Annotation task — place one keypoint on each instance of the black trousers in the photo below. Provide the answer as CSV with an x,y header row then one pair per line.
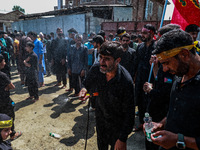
x,y
33,90
76,82
106,134
48,69
61,77
70,81
93,101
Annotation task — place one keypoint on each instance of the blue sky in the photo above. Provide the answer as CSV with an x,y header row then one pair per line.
x,y
38,6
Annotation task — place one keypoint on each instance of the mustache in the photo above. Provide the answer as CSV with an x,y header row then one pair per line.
x,y
103,65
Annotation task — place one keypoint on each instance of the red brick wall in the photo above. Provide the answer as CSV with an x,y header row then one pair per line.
x,y
131,27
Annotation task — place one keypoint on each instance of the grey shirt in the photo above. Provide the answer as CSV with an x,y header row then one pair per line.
x,y
78,59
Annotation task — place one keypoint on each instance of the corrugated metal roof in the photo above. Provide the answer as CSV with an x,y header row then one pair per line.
x,y
67,11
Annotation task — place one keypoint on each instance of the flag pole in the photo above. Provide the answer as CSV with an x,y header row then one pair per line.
x,y
163,15
161,24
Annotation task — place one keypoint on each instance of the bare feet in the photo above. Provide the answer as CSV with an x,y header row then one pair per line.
x,y
57,84
69,89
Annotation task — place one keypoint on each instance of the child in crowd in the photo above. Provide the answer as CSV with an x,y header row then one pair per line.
x,y
5,130
31,64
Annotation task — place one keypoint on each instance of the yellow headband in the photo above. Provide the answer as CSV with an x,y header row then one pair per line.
x,y
172,52
195,45
6,124
122,33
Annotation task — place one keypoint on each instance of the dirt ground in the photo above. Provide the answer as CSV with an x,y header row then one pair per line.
x,y
52,114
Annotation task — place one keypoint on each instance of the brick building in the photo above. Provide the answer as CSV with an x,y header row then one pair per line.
x,y
149,10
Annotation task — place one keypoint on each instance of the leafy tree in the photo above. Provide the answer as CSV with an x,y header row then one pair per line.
x,y
18,8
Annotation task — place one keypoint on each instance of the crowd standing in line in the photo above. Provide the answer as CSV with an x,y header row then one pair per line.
x,y
117,68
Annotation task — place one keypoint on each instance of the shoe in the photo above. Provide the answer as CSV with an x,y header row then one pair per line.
x,y
17,135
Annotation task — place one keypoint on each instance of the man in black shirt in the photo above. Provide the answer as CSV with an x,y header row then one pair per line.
x,y
176,52
142,68
128,56
58,51
115,102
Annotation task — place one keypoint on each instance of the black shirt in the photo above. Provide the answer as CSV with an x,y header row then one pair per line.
x,y
160,95
127,60
184,110
141,64
5,145
115,103
31,72
4,81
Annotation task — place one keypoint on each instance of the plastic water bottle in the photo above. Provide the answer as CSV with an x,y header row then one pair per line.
x,y
13,103
55,135
148,126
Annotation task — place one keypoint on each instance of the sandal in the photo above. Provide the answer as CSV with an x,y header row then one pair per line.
x,y
17,135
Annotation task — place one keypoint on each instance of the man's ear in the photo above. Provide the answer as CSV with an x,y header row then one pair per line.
x,y
118,60
184,54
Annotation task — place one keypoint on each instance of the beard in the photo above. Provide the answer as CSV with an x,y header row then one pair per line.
x,y
106,68
146,39
125,46
182,68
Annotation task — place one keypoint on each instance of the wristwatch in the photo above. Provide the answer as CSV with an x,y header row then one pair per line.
x,y
180,144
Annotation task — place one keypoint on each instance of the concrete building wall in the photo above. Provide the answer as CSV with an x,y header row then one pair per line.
x,y
47,25
122,13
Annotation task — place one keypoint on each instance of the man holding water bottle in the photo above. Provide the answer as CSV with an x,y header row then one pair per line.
x,y
181,128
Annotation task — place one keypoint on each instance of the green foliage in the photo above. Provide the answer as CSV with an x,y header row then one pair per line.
x,y
18,8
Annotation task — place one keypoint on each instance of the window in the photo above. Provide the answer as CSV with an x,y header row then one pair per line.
x,y
128,2
120,1
159,12
150,10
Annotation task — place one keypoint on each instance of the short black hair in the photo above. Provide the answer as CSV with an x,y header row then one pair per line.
x,y
102,33
111,48
98,39
168,28
139,36
192,28
133,36
126,35
173,39
150,27
30,44
1,58
34,34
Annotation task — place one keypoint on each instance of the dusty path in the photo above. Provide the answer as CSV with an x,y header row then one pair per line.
x,y
52,114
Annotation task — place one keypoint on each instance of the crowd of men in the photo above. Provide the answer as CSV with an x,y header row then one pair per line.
x,y
118,69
